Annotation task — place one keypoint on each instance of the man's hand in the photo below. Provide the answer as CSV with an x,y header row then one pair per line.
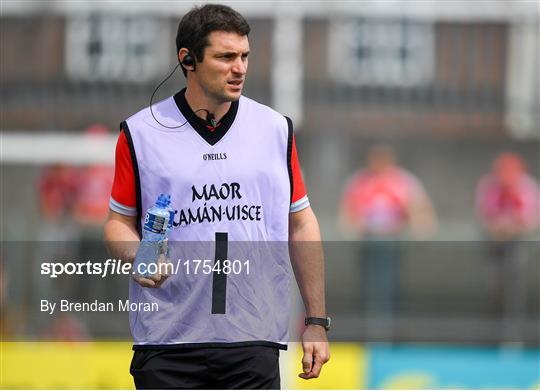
x,y
156,280
316,351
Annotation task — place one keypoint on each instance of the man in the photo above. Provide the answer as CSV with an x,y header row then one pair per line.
x,y
507,199
380,205
231,168
385,201
507,206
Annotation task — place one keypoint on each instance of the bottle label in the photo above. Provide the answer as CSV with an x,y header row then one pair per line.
x,y
171,219
155,224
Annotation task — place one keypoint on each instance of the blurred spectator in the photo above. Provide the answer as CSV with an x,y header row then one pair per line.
x,y
57,185
384,201
81,193
507,206
91,203
74,202
90,209
507,199
381,205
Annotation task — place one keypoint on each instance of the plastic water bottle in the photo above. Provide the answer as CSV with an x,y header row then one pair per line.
x,y
165,244
171,216
154,234
170,227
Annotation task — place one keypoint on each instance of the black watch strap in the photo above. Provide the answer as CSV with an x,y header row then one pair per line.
x,y
324,322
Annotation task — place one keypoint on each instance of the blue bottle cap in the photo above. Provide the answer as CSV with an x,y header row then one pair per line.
x,y
163,200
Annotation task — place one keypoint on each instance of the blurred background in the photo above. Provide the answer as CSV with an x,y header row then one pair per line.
x,y
417,125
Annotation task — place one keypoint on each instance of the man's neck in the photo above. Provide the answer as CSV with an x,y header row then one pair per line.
x,y
198,100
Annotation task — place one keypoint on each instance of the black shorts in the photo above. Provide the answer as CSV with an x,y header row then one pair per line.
x,y
250,367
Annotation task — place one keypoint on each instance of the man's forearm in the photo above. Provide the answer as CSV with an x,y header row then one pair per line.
x,y
307,259
121,239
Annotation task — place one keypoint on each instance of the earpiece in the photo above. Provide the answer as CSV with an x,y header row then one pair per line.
x,y
188,61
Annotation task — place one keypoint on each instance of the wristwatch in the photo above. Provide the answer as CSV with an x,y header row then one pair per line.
x,y
324,322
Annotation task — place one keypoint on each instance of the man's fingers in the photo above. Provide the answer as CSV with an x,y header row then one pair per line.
x,y
158,279
155,277
162,259
165,266
316,355
152,281
145,282
161,281
166,269
307,360
316,370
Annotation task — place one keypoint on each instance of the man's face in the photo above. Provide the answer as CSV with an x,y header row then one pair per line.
x,y
222,72
381,159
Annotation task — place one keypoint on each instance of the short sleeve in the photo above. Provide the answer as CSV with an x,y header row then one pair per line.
x,y
299,198
123,196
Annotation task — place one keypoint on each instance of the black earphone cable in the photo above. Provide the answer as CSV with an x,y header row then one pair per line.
x,y
209,115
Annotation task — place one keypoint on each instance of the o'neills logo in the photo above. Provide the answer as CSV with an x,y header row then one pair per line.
x,y
214,156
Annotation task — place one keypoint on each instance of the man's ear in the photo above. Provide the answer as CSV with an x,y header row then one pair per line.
x,y
186,59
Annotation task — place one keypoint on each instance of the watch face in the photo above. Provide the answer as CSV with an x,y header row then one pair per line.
x,y
324,322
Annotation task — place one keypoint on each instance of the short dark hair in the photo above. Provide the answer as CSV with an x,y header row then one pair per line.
x,y
199,22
